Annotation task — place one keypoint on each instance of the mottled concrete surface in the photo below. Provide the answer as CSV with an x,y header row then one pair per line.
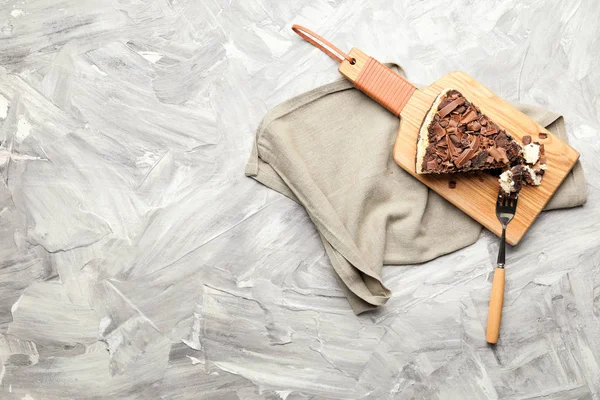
x,y
137,261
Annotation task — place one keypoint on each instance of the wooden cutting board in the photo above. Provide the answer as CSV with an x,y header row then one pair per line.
x,y
475,193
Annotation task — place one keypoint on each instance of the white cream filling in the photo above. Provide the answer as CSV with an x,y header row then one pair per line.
x,y
537,179
508,185
506,182
531,153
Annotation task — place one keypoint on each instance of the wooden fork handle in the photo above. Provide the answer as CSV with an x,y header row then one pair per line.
x,y
495,308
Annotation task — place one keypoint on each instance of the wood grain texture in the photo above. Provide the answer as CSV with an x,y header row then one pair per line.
x,y
351,71
495,307
475,193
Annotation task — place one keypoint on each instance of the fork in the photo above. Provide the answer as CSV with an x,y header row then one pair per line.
x,y
506,206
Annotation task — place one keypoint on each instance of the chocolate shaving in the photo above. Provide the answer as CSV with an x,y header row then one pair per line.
x,y
448,109
445,102
517,176
464,157
503,156
526,139
474,126
451,146
493,151
455,139
471,116
451,183
487,142
501,139
542,135
491,129
475,143
439,131
464,141
513,150
443,154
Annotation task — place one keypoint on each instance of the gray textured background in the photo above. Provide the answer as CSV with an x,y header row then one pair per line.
x,y
136,260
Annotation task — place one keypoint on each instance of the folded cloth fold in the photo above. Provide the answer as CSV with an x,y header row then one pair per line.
x,y
330,149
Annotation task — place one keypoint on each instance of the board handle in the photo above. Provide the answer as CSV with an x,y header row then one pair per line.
x,y
366,73
377,81
495,308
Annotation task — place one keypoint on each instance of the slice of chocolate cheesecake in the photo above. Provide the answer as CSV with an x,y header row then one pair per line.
x,y
457,137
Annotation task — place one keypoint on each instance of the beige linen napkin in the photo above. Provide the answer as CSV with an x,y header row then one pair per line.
x,y
330,149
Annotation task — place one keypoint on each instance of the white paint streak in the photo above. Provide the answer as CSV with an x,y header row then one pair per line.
x,y
5,155
4,104
98,70
15,305
23,129
194,343
151,56
283,394
194,360
104,323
